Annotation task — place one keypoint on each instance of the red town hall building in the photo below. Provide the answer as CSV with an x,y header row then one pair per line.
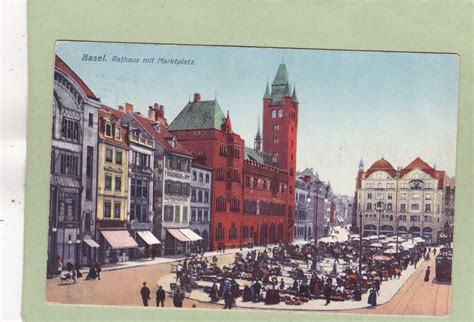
x,y
252,188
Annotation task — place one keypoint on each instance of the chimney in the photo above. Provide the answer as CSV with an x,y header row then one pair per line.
x,y
121,108
128,108
151,113
197,97
161,111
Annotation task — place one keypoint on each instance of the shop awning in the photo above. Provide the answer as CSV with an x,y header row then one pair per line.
x,y
119,239
176,233
191,235
148,237
64,181
90,242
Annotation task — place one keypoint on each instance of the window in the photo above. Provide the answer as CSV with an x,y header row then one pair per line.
x,y
139,188
206,215
403,196
403,207
245,232
415,196
69,164
275,157
274,114
428,196
276,127
233,232
118,183
107,209
193,194
206,196
369,195
118,132
389,206
201,177
185,214
108,155
247,181
280,113
89,161
219,232
70,129
389,196
254,182
199,195
177,214
199,214
91,119
116,209
207,177
428,207
276,141
194,175
379,195
221,203
415,206
108,182
118,157
369,206
108,129
168,213
193,214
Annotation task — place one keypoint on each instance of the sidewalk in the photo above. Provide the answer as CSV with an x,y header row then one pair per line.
x,y
169,259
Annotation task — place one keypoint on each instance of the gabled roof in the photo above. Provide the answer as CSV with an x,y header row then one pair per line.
x,y
280,85
199,115
61,65
110,113
161,136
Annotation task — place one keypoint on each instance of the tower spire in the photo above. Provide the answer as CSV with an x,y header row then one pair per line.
x,y
267,92
258,138
293,96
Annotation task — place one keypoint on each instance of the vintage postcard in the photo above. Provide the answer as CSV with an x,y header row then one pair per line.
x,y
241,178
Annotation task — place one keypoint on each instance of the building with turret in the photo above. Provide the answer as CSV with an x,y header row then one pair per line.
x,y
415,200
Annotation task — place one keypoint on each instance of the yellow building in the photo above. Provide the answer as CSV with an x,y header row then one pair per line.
x,y
112,188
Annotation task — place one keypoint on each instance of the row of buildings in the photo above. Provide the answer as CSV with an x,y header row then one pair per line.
x,y
126,185
415,200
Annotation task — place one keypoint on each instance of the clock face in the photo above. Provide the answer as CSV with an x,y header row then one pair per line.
x,y
416,184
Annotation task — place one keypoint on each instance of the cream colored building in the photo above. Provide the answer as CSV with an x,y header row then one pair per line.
x,y
412,200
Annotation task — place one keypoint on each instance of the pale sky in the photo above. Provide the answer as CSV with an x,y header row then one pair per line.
x,y
352,104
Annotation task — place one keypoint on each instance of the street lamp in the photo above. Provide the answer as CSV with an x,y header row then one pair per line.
x,y
360,248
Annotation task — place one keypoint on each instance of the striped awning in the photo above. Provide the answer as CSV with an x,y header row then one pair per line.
x,y
148,237
64,181
119,239
176,233
191,235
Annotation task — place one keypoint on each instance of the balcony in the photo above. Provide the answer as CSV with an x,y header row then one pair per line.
x,y
142,141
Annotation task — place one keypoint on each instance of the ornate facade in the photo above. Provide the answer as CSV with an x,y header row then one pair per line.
x,y
414,200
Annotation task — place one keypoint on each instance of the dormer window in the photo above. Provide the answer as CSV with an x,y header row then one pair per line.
x,y
108,129
172,142
158,127
118,132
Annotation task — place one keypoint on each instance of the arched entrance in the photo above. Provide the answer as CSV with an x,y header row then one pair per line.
x,y
428,234
415,231
386,230
280,232
370,230
272,233
263,233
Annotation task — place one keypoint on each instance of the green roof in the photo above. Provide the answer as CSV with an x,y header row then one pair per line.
x,y
198,116
252,154
280,85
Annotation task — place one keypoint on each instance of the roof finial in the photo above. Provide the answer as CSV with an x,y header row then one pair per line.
x,y
215,96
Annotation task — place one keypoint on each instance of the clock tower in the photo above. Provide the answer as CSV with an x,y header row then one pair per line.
x,y
280,128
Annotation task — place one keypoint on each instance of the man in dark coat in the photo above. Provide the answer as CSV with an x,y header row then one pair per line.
x,y
228,299
145,293
98,269
256,291
427,274
328,293
160,297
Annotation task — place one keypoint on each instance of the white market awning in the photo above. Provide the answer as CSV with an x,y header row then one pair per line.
x,y
148,237
119,239
90,242
191,235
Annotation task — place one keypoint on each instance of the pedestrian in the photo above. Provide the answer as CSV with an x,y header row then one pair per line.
x,y
214,295
328,293
228,299
160,297
282,284
427,274
145,293
373,297
153,253
178,298
98,269
78,273
256,291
